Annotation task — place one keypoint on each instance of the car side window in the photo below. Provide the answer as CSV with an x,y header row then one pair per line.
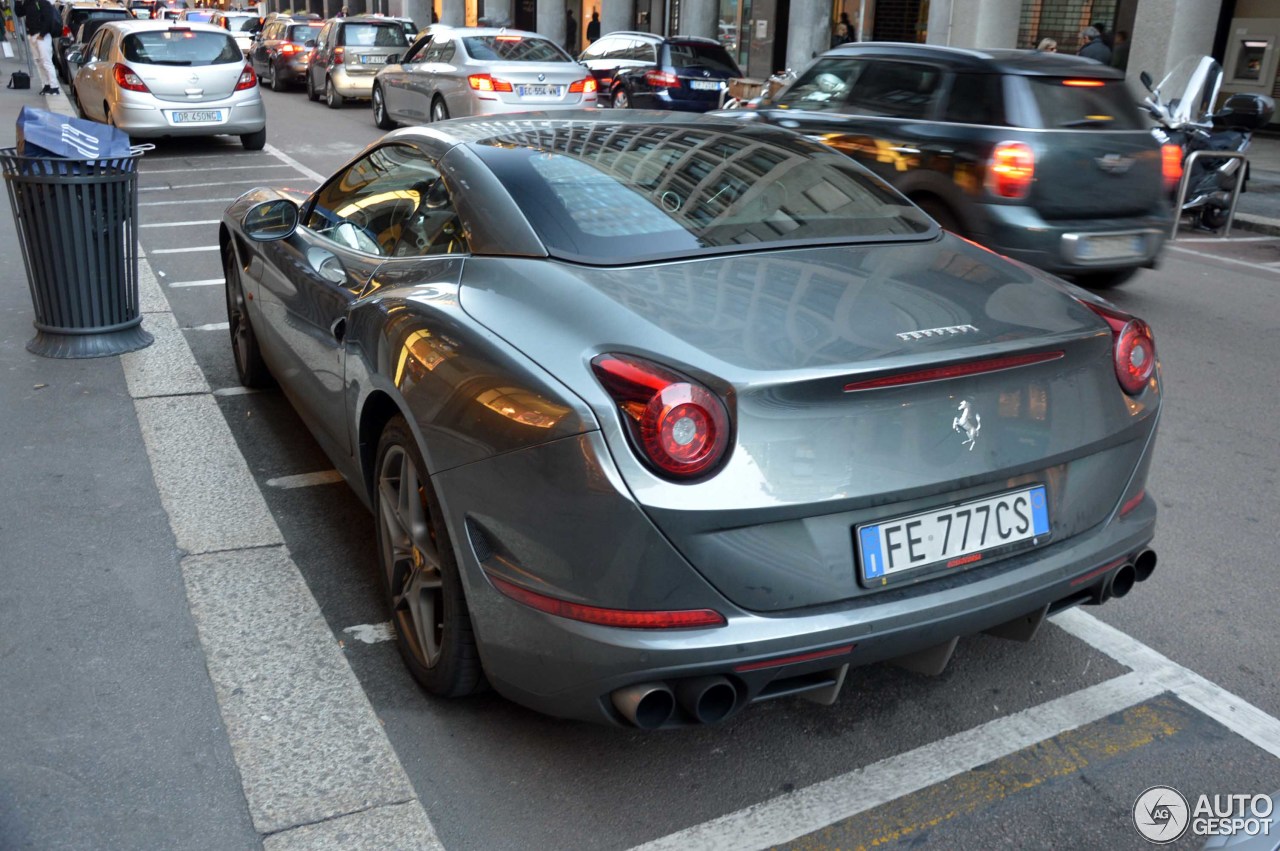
x,y
895,90
976,99
417,53
599,48
447,51
390,202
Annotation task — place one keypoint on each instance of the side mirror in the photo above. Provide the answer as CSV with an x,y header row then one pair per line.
x,y
75,56
311,42
271,220
1145,78
393,59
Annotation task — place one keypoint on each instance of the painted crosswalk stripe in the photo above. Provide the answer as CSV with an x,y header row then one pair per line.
x,y
306,480
207,282
187,250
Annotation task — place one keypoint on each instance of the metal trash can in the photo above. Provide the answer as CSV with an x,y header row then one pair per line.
x,y
77,225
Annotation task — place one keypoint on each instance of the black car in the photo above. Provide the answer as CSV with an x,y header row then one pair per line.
x,y
73,15
280,52
1041,156
646,71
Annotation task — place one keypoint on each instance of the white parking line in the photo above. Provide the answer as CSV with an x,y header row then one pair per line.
x,y
306,480
290,161
187,201
236,391
207,282
1259,266
175,187
148,172
1220,240
372,633
188,250
212,326
180,224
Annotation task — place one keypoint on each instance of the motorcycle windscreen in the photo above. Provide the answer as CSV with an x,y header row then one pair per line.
x,y
1191,88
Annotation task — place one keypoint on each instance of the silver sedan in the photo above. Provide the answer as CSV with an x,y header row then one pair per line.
x,y
463,71
166,78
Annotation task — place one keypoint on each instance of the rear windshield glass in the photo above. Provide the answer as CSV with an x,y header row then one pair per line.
x,y
181,47
825,85
199,17
242,25
301,34
373,35
79,16
706,57
621,194
1065,103
513,48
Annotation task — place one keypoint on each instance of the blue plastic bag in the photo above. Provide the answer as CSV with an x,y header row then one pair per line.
x,y
48,134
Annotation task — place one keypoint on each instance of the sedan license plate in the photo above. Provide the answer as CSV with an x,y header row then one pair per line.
x,y
538,91
196,116
373,59
705,85
1112,247
955,536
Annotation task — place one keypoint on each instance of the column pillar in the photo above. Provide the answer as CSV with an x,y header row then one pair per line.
x,y
808,32
551,20
419,11
617,15
699,17
974,23
1167,31
499,12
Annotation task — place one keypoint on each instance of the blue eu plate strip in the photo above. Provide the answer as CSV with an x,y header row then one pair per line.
x,y
1039,512
872,560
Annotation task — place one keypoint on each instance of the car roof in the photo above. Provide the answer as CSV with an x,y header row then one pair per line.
x,y
468,32
658,39
149,25
1009,61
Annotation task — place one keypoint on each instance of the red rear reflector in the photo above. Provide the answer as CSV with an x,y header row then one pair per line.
x,y
1171,165
485,83
969,559
1012,170
621,618
958,370
1094,574
1090,84
1133,503
794,660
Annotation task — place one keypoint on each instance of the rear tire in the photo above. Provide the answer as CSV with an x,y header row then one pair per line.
x,y
312,95
1213,217
380,117
277,85
254,141
332,99
1105,280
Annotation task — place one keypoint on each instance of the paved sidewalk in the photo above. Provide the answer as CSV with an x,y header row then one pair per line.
x,y
110,735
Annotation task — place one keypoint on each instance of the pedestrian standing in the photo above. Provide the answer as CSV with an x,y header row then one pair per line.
x,y
43,23
572,36
839,35
593,27
1091,46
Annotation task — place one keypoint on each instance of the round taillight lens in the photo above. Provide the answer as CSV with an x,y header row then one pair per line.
x,y
680,428
1135,354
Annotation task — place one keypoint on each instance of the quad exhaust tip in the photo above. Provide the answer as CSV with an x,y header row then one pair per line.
x,y
707,699
1120,582
1144,564
647,705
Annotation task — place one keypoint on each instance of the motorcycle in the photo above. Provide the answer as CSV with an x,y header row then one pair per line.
x,y
1188,120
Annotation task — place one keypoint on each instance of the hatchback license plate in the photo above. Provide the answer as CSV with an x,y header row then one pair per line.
x,y
197,116
705,85
373,59
1112,247
953,536
538,91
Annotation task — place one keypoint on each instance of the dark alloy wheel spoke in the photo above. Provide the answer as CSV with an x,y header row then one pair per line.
x,y
412,568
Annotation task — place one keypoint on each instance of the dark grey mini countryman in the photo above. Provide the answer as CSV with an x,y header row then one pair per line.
x,y
1042,157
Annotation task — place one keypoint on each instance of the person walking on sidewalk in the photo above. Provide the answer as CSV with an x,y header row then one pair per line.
x,y
43,25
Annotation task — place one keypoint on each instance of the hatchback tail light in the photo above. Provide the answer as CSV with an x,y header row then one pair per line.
x,y
339,55
247,80
1012,170
1133,348
586,86
679,428
126,79
288,48
1171,165
66,32
662,79
486,83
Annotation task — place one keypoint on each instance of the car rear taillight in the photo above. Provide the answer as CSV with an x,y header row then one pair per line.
x,y
679,427
1012,170
1083,84
288,49
586,86
486,83
128,80
66,32
339,55
662,79
1171,165
247,80
1133,348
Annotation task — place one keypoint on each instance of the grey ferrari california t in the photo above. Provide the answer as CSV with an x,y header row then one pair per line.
x,y
659,416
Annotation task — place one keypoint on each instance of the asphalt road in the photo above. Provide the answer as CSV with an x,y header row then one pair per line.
x,y
1046,744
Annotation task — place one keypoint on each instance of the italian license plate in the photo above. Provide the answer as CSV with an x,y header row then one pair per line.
x,y
373,59
538,91
1112,247
955,536
705,85
197,116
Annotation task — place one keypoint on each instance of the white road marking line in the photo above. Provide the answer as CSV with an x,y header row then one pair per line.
x,y
206,168
236,391
1260,267
207,282
1229,710
288,160
372,633
175,187
306,480
188,250
789,817
189,201
180,224
212,326
1220,240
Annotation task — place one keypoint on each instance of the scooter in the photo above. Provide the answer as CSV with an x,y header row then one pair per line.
x,y
1188,120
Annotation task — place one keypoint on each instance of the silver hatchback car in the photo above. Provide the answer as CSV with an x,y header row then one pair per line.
x,y
163,78
464,71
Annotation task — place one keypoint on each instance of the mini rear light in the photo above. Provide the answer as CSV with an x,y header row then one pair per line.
x,y
1012,170
486,83
662,79
126,79
621,618
248,79
678,427
1133,348
1171,165
508,38
1084,84
957,370
586,86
